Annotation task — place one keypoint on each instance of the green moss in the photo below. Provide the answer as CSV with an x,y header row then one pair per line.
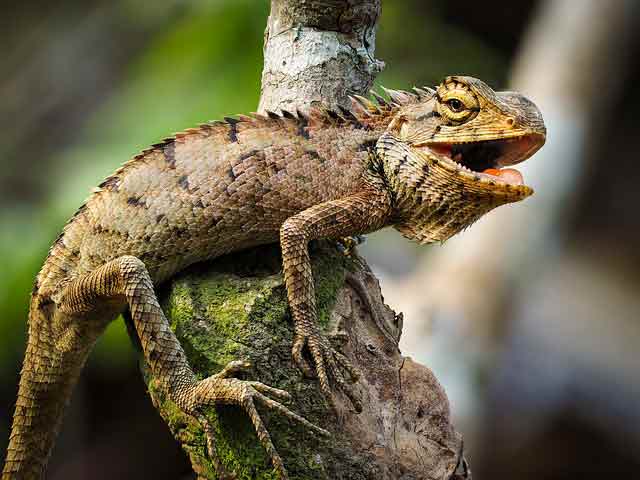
x,y
328,275
236,308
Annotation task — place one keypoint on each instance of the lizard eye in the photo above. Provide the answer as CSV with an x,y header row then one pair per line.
x,y
455,105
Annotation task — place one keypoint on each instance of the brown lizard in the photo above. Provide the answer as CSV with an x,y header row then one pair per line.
x,y
427,162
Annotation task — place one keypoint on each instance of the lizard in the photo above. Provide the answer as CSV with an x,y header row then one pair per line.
x,y
427,162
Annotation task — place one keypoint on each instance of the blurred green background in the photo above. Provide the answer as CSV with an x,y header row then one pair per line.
x,y
86,85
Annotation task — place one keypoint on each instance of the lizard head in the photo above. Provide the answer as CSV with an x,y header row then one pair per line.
x,y
446,155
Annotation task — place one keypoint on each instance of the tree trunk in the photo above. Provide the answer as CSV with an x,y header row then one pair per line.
x,y
236,307
318,51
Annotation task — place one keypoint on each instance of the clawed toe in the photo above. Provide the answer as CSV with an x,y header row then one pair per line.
x,y
266,389
232,369
329,363
298,357
221,472
220,388
273,405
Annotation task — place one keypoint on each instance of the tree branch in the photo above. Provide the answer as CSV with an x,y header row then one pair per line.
x,y
236,308
318,51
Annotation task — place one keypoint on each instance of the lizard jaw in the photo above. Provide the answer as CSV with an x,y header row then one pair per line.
x,y
485,159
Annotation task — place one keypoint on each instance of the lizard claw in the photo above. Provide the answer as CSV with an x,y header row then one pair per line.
x,y
298,357
233,368
328,363
221,389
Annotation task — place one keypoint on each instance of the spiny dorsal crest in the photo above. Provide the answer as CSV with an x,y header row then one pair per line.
x,y
319,115
381,106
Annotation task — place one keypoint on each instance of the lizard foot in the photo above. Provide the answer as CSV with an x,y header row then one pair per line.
x,y
222,388
328,362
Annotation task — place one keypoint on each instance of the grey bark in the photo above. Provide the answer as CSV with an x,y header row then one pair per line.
x,y
236,307
318,51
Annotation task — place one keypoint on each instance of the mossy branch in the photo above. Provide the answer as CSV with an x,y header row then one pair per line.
x,y
236,308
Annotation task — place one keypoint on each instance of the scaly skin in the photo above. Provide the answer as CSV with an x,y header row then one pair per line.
x,y
231,185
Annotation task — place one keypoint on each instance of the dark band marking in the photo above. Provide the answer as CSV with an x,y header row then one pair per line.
x,y
332,219
315,155
396,169
110,183
250,154
367,146
302,178
44,302
230,173
420,182
352,119
333,115
441,212
98,229
213,223
424,177
36,286
169,151
58,242
302,127
427,116
183,181
80,211
233,128
135,202
275,168
179,232
160,217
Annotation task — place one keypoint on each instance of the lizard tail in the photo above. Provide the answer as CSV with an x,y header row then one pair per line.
x,y
50,371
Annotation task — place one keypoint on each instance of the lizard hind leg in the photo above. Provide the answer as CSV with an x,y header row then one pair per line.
x,y
127,277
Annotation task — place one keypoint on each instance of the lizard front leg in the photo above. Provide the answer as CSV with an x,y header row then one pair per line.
x,y
366,211
126,280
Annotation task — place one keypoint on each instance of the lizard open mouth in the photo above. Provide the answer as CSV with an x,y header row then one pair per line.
x,y
487,158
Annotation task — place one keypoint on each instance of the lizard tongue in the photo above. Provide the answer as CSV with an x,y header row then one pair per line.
x,y
507,175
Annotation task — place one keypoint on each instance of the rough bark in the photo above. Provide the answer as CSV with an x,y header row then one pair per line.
x,y
236,308
318,51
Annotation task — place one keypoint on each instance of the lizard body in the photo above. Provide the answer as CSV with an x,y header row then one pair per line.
x,y
428,163
245,177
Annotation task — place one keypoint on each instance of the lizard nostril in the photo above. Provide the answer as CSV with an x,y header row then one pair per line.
x,y
511,121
